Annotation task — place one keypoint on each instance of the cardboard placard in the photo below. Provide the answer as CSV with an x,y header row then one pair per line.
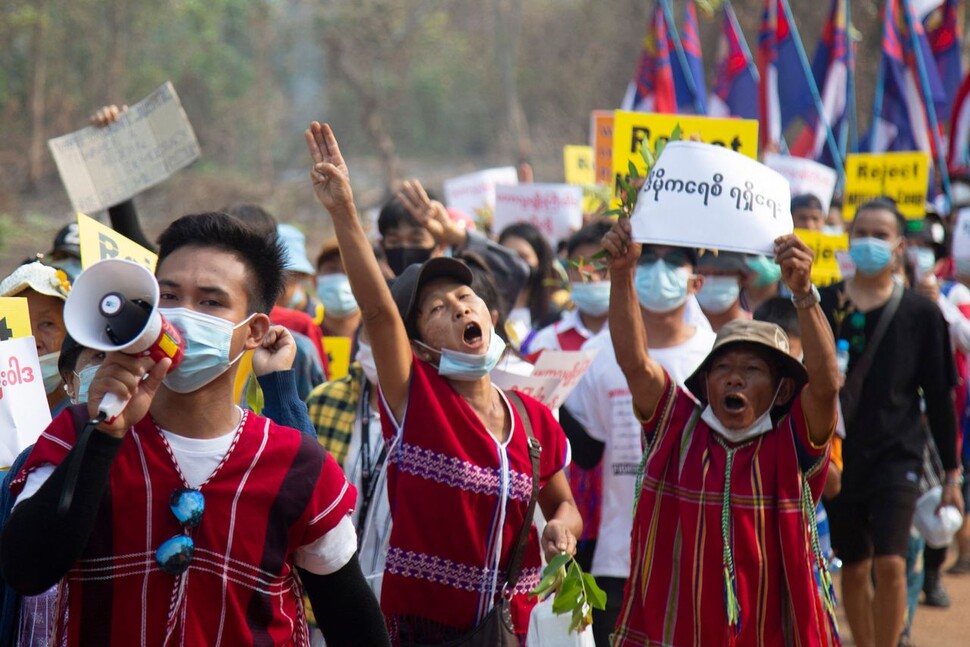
x,y
14,318
100,242
961,235
601,139
150,141
631,130
805,176
556,210
577,164
555,375
24,413
705,196
825,267
474,193
904,177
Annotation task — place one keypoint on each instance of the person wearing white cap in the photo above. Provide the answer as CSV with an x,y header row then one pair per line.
x,y
45,289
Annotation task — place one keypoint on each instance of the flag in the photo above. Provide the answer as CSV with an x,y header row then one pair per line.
x,y
900,120
690,97
958,154
736,77
943,33
831,67
653,88
786,90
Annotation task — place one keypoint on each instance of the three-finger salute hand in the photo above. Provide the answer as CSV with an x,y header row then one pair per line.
x,y
330,176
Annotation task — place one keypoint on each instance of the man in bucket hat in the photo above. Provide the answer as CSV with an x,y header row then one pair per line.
x,y
724,546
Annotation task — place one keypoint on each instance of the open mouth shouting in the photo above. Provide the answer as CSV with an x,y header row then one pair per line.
x,y
735,402
473,335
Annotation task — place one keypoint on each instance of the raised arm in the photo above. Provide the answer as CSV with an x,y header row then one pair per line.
x,y
821,394
392,349
644,375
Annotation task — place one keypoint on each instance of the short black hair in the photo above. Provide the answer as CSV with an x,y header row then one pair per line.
x,y
591,234
393,214
70,352
884,203
806,201
780,311
540,302
254,216
262,255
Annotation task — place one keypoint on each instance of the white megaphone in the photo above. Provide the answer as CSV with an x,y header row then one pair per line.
x,y
113,306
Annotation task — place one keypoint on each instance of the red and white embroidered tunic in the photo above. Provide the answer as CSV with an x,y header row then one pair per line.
x,y
458,500
275,491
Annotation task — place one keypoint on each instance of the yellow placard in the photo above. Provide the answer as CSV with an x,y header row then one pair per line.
x,y
601,139
825,267
904,177
338,355
631,130
578,165
100,242
14,318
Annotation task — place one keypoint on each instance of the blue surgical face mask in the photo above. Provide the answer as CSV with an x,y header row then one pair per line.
x,y
337,297
467,367
718,293
48,368
870,255
924,259
297,298
207,340
660,287
84,379
767,271
591,297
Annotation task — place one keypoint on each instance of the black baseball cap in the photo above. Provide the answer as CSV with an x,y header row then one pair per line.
x,y
407,286
67,241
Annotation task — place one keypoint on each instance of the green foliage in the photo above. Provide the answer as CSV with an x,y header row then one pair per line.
x,y
576,592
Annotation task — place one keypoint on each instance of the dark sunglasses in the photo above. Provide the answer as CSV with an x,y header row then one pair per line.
x,y
674,258
175,554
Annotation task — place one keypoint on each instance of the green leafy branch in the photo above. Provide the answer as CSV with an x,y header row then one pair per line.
x,y
576,592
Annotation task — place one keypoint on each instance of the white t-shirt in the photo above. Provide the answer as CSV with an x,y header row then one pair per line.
x,y
548,337
197,459
602,403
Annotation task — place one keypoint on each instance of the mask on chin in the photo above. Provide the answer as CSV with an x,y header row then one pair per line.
x,y
763,424
468,367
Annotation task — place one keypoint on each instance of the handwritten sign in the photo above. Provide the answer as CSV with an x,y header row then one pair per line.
x,y
805,176
149,142
338,356
825,267
474,193
904,177
555,209
23,401
601,139
578,165
14,318
100,242
700,195
555,375
631,130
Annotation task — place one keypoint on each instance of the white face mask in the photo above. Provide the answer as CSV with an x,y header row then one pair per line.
x,y
365,355
207,340
762,425
84,379
48,368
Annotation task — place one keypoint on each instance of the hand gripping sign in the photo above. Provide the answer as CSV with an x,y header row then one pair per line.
x,y
706,196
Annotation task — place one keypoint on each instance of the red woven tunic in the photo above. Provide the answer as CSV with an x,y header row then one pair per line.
x,y
676,594
458,500
275,491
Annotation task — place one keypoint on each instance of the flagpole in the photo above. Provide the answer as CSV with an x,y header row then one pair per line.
x,y
807,71
752,66
681,57
929,104
852,136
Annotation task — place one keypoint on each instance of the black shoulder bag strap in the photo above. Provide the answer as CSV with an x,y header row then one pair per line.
x,y
852,390
515,564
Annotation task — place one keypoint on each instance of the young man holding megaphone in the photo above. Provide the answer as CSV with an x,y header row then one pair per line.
x,y
191,517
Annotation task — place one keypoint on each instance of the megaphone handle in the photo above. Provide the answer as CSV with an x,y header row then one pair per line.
x,y
112,405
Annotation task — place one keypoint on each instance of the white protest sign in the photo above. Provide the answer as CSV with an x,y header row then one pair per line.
x,y
706,196
554,376
556,210
23,401
150,141
805,176
475,193
961,235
